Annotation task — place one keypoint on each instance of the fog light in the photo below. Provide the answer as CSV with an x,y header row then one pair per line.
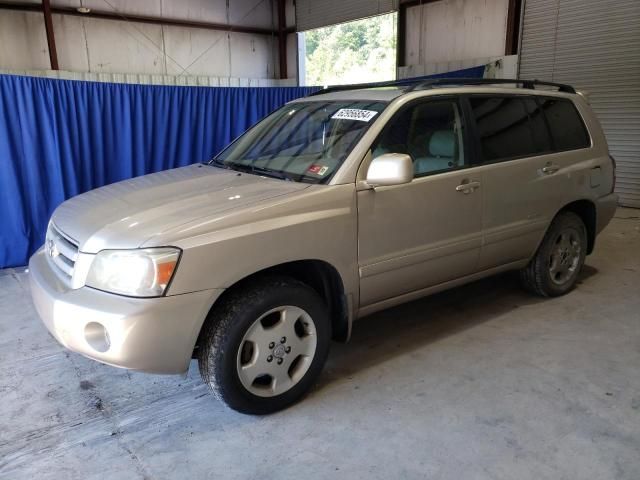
x,y
97,337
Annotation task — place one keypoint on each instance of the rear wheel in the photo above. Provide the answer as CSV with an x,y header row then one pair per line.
x,y
265,345
556,265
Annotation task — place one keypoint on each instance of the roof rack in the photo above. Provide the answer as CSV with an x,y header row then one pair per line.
x,y
356,86
424,83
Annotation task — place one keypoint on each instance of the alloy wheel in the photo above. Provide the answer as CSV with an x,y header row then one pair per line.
x,y
276,351
565,256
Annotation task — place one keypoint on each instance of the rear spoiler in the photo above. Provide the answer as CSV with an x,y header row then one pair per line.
x,y
584,94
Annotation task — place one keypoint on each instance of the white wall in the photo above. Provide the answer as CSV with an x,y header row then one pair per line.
x,y
23,41
108,46
502,66
455,31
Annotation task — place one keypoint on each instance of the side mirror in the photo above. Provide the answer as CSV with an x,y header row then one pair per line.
x,y
390,169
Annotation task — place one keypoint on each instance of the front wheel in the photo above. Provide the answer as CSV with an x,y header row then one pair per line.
x,y
265,345
556,265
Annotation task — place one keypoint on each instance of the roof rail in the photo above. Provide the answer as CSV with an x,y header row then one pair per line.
x,y
530,84
356,86
423,83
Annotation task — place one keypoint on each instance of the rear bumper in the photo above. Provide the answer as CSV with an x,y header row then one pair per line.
x,y
605,210
148,334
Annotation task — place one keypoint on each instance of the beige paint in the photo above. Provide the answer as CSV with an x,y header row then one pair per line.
x,y
437,235
388,244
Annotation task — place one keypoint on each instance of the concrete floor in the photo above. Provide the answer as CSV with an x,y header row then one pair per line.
x,y
482,382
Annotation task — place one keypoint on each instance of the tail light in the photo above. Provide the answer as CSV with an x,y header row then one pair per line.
x,y
613,164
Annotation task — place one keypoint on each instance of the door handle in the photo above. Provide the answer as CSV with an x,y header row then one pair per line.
x,y
550,168
467,187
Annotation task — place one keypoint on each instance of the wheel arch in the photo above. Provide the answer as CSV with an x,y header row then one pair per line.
x,y
586,210
321,276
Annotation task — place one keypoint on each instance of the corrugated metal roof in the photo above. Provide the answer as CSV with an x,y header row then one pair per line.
x,y
312,14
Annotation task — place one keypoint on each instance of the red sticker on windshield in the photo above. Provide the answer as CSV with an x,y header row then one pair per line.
x,y
318,169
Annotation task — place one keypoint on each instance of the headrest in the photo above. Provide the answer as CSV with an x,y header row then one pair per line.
x,y
442,143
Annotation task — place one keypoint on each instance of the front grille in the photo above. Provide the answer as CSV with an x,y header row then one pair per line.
x,y
62,252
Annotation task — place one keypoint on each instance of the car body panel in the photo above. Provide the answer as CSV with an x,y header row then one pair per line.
x,y
318,223
408,241
514,228
128,213
148,334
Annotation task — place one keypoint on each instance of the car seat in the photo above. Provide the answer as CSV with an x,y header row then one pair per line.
x,y
442,153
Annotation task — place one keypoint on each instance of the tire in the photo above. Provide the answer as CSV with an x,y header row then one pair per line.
x,y
555,268
276,331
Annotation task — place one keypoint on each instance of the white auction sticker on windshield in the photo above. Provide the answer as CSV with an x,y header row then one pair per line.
x,y
354,114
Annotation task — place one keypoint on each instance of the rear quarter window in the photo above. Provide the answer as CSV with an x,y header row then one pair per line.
x,y
567,128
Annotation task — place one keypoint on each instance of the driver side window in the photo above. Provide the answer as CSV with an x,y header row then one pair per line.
x,y
430,132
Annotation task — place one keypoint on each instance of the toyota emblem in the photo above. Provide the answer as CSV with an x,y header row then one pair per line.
x,y
52,250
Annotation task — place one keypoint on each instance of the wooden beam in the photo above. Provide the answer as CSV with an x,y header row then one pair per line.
x,y
415,3
282,38
51,39
513,27
401,38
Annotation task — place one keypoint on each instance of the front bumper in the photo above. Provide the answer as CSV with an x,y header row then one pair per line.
x,y
154,335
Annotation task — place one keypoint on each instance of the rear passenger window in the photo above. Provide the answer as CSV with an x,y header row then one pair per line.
x,y
503,128
567,129
512,127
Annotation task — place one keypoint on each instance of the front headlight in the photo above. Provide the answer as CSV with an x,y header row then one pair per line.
x,y
137,273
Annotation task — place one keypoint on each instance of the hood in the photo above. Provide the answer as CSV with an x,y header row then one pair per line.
x,y
128,213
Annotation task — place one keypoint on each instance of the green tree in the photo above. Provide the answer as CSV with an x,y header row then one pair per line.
x,y
354,52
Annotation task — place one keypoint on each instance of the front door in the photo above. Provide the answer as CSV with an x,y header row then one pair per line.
x,y
429,231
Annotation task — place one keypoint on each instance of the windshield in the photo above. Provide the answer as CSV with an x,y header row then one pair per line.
x,y
305,142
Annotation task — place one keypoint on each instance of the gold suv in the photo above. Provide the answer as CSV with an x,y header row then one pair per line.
x,y
333,207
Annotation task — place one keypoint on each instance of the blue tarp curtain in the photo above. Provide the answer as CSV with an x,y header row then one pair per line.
x,y
60,138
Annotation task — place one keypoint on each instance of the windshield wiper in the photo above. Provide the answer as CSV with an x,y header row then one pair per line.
x,y
241,167
218,163
258,170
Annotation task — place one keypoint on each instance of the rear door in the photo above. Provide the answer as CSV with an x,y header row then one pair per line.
x,y
526,179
